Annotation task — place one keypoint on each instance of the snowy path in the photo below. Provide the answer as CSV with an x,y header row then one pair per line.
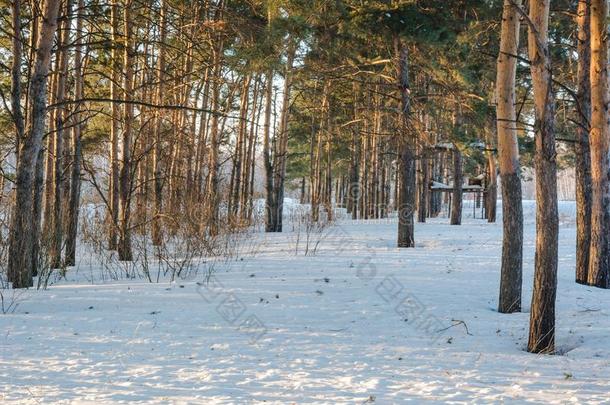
x,y
356,323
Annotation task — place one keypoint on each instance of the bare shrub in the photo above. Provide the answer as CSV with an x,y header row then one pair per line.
x,y
10,300
187,251
46,273
307,233
93,230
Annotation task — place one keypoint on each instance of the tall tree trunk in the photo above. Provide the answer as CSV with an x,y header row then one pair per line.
x,y
241,148
491,195
16,73
21,241
512,210
73,212
56,230
214,163
328,206
406,155
364,172
583,152
374,173
202,136
435,196
50,150
599,263
254,130
422,209
542,316
353,192
124,244
456,200
270,197
37,198
248,154
316,155
281,156
113,185
158,181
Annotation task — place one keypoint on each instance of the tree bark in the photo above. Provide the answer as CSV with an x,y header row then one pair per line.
x,y
37,198
113,184
583,152
491,195
316,155
599,263
270,197
542,315
156,229
512,210
246,192
202,137
125,176
240,149
254,130
49,169
458,179
435,196
17,50
281,155
406,155
328,181
213,163
21,239
74,206
422,211
353,192
56,230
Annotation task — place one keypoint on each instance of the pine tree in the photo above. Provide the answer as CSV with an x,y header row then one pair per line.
x,y
512,211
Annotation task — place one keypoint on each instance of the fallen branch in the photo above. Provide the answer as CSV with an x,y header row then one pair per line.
x,y
456,322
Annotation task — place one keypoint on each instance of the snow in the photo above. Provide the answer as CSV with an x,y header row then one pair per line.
x,y
356,321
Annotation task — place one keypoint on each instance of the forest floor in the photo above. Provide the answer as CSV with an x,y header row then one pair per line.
x,y
356,321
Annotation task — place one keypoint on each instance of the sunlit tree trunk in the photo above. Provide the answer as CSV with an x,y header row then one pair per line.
x,y
240,148
202,136
269,200
49,169
125,176
56,221
75,188
491,195
542,315
512,210
316,154
599,263
353,190
113,184
37,198
406,153
583,152
21,241
213,162
328,180
17,49
281,151
422,208
254,131
456,200
250,134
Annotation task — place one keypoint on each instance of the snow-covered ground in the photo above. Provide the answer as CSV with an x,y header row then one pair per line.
x,y
354,321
